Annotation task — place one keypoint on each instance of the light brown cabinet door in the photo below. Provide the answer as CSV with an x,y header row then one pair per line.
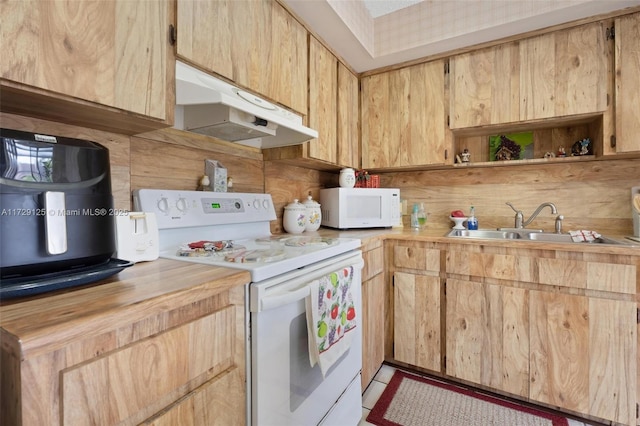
x,y
558,74
564,73
348,126
120,385
485,87
255,43
416,323
403,117
373,327
487,335
583,354
627,65
113,53
323,101
219,402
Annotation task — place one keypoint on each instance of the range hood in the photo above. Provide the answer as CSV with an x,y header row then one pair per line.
x,y
210,106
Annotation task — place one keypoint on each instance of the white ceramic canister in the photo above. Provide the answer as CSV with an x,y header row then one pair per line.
x,y
295,217
314,215
347,178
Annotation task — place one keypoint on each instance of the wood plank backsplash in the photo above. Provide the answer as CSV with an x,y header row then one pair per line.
x,y
592,195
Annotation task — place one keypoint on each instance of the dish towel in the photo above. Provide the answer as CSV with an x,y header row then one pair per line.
x,y
580,236
331,316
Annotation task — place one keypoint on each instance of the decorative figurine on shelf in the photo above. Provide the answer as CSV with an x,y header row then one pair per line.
x,y
562,152
203,184
549,154
504,154
582,147
466,156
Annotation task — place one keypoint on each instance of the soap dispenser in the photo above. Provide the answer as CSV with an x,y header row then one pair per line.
x,y
472,222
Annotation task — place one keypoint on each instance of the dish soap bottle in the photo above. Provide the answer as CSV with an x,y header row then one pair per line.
x,y
415,224
472,222
422,216
418,216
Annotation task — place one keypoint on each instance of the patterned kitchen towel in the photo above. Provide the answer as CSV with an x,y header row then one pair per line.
x,y
331,315
580,236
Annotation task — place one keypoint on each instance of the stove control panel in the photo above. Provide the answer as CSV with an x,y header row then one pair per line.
x,y
177,209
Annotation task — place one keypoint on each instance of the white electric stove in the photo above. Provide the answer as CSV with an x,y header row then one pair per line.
x,y
233,230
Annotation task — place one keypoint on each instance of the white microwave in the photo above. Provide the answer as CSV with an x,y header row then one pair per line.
x,y
346,208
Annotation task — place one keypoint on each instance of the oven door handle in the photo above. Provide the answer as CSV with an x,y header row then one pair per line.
x,y
278,300
299,289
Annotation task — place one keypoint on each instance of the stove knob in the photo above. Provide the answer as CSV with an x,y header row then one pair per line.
x,y
256,204
265,204
163,205
181,205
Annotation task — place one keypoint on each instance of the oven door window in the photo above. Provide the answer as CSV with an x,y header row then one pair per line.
x,y
304,379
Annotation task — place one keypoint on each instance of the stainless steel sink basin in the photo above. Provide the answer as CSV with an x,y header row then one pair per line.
x,y
530,235
545,236
485,234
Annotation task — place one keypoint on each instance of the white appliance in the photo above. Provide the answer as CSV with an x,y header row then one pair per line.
x,y
346,208
282,387
213,107
137,237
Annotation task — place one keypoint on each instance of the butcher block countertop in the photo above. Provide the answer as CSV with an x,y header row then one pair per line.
x,y
52,320
438,235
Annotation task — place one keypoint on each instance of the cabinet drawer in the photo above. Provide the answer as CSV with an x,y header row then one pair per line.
x,y
373,263
610,277
220,401
120,384
424,259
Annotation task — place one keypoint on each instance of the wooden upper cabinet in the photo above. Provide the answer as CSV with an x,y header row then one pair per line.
x,y
627,77
112,53
403,117
485,87
348,127
255,43
323,101
564,73
559,74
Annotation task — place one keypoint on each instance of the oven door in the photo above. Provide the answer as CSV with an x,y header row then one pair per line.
x,y
285,390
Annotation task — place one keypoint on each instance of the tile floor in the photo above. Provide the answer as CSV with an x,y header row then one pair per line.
x,y
380,381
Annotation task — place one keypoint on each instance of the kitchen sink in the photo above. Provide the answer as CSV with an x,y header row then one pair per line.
x,y
485,234
530,235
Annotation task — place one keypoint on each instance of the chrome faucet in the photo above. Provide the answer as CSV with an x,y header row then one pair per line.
x,y
521,223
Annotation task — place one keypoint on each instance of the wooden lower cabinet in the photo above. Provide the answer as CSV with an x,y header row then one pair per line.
x,y
416,320
373,302
217,402
121,385
177,360
583,354
487,329
417,297
553,327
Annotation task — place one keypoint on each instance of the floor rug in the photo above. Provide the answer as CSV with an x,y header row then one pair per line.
x,y
410,400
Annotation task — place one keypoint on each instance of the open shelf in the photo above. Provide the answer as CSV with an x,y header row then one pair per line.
x,y
548,137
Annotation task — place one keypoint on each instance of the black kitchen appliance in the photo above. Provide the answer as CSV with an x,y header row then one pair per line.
x,y
56,213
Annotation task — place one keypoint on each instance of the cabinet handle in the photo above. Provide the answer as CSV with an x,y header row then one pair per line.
x,y
172,34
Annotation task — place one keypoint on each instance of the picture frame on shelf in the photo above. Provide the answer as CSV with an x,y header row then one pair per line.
x,y
511,146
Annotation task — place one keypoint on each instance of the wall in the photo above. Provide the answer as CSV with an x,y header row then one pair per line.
x,y
591,195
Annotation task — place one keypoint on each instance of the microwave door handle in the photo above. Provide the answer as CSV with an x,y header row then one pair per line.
x,y
283,299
